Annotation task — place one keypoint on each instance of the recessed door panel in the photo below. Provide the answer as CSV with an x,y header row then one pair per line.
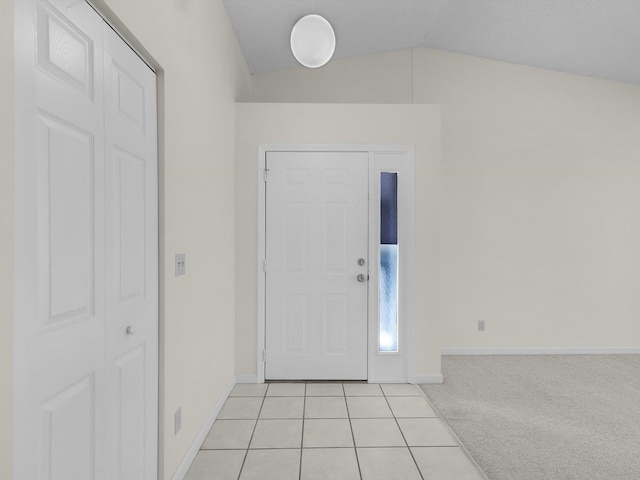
x,y
130,415
295,232
336,230
336,324
67,219
67,433
64,51
295,324
129,97
129,235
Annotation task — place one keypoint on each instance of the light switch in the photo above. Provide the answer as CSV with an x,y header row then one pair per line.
x,y
181,259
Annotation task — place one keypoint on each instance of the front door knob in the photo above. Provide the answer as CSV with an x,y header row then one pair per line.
x,y
361,277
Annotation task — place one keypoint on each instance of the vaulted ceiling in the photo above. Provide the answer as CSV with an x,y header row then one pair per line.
x,y
599,38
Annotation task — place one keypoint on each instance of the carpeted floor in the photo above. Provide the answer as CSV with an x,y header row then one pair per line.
x,y
548,417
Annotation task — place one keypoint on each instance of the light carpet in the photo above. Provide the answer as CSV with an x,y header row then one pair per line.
x,y
546,417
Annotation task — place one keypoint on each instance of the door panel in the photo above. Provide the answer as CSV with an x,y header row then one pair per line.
x,y
129,225
64,50
336,324
131,262
67,432
317,229
296,324
67,218
83,388
129,415
59,305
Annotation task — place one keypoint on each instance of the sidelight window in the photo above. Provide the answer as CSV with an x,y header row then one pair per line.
x,y
388,288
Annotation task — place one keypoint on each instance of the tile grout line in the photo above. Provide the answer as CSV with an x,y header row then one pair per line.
x,y
353,437
402,433
304,409
325,447
246,453
321,447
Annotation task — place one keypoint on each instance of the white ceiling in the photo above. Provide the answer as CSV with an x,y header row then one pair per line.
x,y
598,38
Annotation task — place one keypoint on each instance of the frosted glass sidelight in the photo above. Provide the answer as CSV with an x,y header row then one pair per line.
x,y
388,298
388,326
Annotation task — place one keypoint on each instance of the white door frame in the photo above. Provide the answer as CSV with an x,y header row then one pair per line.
x,y
382,367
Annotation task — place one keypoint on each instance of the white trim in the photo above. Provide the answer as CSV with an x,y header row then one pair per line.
x,y
247,378
377,148
391,367
388,380
427,378
190,456
407,259
100,8
407,297
262,252
540,351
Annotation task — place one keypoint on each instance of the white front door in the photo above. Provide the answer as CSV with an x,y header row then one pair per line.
x,y
316,247
86,250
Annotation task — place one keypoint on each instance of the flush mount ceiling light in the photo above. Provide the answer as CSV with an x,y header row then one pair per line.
x,y
313,41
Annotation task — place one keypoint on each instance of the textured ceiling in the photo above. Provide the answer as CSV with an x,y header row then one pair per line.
x,y
598,38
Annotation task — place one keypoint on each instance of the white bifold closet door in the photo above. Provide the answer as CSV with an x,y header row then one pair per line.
x,y
86,295
131,262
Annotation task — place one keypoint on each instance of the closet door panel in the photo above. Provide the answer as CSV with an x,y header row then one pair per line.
x,y
132,258
60,376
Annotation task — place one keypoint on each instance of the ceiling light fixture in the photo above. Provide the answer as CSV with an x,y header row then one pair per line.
x,y
313,41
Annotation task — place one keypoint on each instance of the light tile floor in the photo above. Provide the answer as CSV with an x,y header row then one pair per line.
x,y
329,431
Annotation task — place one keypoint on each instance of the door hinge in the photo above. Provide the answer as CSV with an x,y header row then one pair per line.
x,y
264,265
265,173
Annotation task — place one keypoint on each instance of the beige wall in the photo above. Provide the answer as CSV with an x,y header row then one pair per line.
x,y
541,205
203,73
384,78
417,125
6,239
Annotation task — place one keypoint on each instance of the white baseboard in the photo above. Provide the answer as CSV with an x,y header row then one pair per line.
x,y
246,378
540,351
385,380
428,378
190,456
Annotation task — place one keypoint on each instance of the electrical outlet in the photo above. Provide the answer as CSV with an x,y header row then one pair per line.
x,y
181,260
178,420
481,325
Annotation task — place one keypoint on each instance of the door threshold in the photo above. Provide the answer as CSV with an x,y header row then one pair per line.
x,y
316,381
